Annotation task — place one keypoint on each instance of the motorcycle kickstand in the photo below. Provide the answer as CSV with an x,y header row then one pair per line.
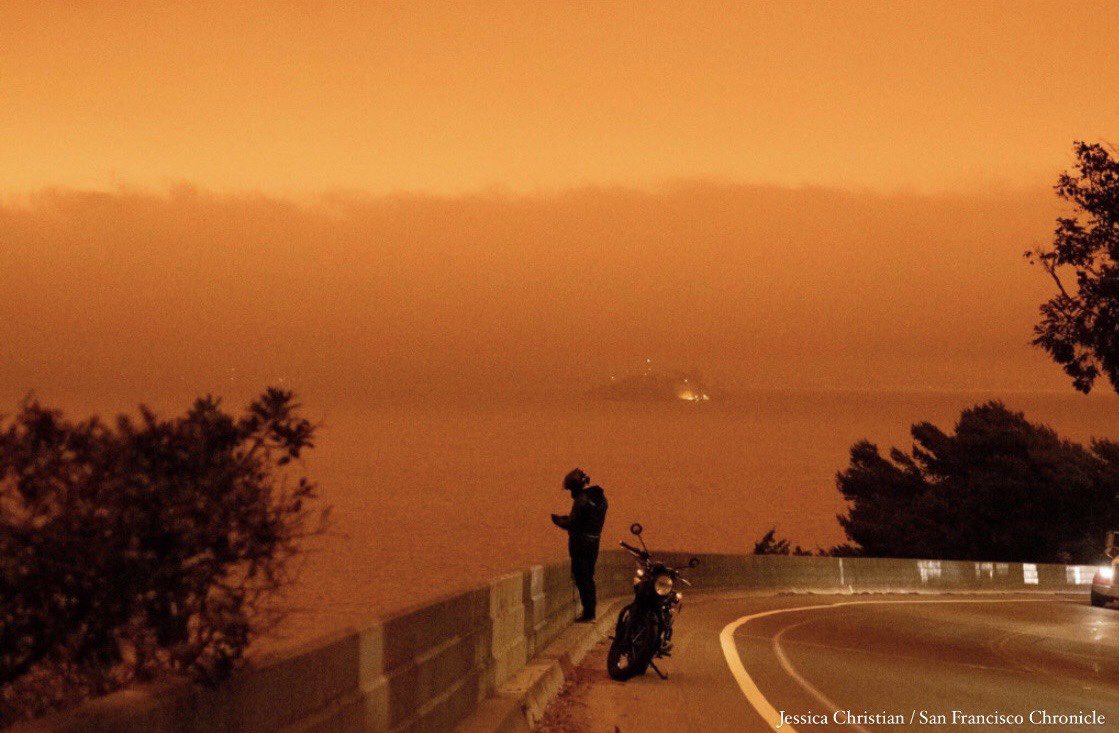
x,y
657,669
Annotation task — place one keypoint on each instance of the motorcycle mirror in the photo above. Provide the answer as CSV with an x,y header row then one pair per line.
x,y
693,562
636,528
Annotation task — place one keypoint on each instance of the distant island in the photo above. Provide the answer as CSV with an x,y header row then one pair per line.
x,y
654,387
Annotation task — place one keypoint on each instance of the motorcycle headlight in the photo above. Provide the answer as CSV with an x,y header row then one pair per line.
x,y
1107,573
663,585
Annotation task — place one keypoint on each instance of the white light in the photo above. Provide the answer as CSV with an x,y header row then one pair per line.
x,y
1107,572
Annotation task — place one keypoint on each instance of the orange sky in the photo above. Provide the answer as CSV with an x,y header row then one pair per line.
x,y
451,97
533,195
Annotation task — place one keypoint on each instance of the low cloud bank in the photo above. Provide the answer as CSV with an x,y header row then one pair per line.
x,y
134,295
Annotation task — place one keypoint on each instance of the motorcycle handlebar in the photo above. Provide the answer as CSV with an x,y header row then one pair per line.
x,y
634,550
645,555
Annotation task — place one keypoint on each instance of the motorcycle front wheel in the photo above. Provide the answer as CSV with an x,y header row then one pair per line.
x,y
635,643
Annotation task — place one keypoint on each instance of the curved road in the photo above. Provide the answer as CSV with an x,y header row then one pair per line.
x,y
901,662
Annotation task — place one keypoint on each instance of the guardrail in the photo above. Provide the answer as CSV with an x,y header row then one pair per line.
x,y
426,669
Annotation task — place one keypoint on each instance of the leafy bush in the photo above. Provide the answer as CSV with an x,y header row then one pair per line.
x,y
770,544
144,547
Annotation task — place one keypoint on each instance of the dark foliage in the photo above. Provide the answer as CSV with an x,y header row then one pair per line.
x,y
145,547
1079,325
999,488
769,544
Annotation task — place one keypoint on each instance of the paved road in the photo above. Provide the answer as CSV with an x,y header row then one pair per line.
x,y
740,660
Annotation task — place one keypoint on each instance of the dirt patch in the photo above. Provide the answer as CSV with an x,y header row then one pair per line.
x,y
568,712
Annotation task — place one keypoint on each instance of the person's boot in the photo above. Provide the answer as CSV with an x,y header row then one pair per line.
x,y
586,618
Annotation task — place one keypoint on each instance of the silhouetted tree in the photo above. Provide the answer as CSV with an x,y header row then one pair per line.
x,y
149,546
1079,327
999,488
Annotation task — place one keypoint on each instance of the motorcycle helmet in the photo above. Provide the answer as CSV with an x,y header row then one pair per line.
x,y
576,480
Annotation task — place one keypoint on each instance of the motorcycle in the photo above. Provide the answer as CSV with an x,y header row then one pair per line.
x,y
643,632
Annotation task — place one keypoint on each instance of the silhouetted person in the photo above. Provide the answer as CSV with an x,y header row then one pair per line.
x,y
584,530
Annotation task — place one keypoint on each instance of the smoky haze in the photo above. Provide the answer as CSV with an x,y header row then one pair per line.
x,y
112,298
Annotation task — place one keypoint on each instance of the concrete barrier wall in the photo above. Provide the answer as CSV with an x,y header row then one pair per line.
x,y
427,668
847,575
421,670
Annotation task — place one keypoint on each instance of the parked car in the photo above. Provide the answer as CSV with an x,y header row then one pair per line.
x,y
1104,587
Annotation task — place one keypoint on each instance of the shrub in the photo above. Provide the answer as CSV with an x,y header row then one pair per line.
x,y
770,544
145,547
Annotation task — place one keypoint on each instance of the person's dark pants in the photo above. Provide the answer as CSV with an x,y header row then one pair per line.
x,y
584,555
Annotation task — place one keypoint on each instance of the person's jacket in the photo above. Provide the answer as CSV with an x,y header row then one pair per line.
x,y
588,513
